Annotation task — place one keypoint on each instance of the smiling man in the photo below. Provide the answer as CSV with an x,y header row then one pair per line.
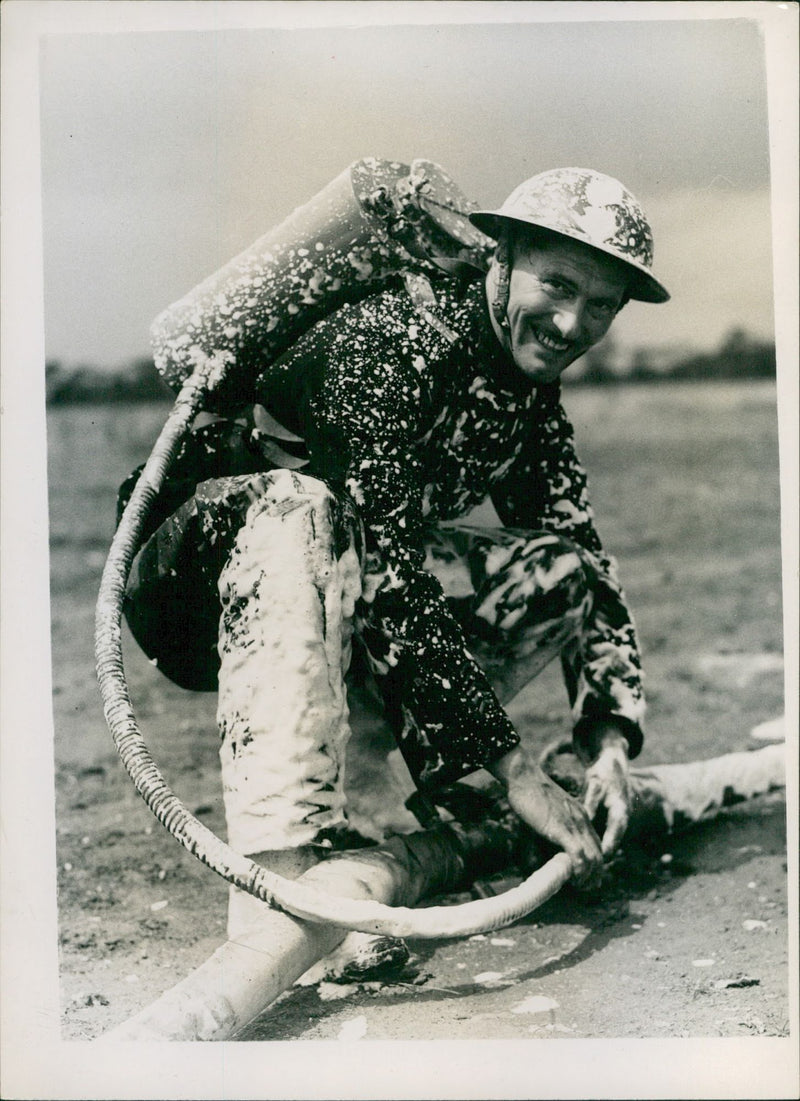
x,y
412,411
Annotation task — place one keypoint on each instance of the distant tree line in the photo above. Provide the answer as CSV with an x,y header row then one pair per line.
x,y
739,356
139,381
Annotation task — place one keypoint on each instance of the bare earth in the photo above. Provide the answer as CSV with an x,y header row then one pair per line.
x,y
689,932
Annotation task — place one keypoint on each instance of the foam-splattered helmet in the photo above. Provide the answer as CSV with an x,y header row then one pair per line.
x,y
588,207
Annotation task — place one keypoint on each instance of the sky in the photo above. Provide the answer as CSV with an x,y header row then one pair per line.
x,y
165,154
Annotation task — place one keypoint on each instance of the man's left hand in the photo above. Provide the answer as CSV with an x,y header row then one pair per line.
x,y
608,787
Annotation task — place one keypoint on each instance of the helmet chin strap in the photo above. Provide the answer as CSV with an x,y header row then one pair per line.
x,y
500,280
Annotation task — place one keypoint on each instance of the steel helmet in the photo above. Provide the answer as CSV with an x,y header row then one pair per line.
x,y
589,207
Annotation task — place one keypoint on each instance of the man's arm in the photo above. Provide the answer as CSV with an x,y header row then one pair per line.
x,y
547,488
373,406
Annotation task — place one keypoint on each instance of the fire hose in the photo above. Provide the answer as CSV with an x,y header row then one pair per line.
x,y
376,222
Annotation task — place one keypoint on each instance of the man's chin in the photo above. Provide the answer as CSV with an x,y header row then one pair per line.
x,y
538,371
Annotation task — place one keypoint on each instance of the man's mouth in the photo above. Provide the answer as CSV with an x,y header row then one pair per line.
x,y
548,341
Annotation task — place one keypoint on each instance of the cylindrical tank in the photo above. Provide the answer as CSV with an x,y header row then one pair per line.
x,y
377,220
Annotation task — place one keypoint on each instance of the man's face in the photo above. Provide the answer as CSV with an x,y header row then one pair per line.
x,y
563,296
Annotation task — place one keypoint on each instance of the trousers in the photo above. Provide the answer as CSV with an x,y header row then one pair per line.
x,y
294,598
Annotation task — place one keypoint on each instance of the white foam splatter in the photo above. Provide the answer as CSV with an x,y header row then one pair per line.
x,y
334,992
355,1029
488,978
773,730
752,924
536,1003
703,963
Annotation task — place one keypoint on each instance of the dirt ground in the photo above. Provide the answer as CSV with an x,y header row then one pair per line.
x,y
689,932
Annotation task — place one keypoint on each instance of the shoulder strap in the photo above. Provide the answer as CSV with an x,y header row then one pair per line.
x,y
421,294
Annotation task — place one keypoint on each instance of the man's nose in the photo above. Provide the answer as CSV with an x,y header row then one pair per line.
x,y
568,320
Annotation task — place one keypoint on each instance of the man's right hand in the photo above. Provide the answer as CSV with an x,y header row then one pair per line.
x,y
551,812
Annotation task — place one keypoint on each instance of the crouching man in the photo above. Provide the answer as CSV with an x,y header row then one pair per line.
x,y
283,581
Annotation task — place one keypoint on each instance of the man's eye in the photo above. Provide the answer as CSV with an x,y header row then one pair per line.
x,y
602,309
555,286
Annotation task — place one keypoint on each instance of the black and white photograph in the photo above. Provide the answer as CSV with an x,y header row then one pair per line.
x,y
399,550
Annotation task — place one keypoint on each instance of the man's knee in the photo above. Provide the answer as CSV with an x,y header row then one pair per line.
x,y
295,528
540,575
302,506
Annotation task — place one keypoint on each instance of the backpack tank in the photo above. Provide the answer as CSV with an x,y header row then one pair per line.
x,y
377,221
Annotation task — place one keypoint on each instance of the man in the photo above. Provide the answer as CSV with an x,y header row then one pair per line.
x,y
411,416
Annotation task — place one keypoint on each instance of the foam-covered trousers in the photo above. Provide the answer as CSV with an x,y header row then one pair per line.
x,y
293,591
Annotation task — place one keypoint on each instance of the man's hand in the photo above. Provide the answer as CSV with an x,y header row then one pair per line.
x,y
551,812
608,786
